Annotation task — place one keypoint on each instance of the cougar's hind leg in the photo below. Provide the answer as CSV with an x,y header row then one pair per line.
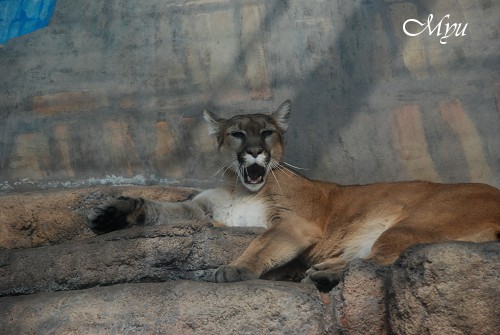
x,y
327,274
385,250
116,212
119,212
391,243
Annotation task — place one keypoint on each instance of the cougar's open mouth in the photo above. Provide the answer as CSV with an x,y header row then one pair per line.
x,y
254,174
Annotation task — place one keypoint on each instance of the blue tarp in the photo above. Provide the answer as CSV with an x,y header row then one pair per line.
x,y
19,17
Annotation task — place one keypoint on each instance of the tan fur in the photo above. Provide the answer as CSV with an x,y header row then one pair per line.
x,y
326,225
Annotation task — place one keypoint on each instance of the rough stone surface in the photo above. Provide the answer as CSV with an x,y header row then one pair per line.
x,y
114,93
256,307
140,254
41,218
449,288
359,299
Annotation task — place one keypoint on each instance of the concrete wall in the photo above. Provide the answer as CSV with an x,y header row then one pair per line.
x,y
113,91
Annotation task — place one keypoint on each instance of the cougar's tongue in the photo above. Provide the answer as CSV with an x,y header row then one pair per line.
x,y
255,174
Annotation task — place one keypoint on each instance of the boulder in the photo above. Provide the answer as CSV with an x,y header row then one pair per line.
x,y
359,299
446,288
182,307
139,254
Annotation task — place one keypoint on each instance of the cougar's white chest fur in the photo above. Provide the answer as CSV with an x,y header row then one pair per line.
x,y
234,210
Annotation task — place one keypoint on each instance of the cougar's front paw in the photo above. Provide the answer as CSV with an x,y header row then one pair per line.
x,y
230,274
115,213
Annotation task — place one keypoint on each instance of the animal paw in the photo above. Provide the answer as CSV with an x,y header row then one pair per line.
x,y
230,274
324,280
114,213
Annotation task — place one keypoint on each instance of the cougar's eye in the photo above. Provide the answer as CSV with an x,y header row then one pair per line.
x,y
238,134
267,133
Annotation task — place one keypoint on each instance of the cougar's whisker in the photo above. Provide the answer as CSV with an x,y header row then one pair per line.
x,y
224,172
278,166
279,186
222,167
226,166
239,171
293,166
284,168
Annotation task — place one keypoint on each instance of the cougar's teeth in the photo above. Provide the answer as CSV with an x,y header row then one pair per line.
x,y
254,174
256,181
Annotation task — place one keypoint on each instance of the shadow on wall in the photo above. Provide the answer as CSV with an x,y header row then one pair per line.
x,y
113,93
385,106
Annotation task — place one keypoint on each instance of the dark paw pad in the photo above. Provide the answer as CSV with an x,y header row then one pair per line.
x,y
324,280
113,213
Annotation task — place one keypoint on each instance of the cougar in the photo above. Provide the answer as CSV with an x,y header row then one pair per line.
x,y
323,224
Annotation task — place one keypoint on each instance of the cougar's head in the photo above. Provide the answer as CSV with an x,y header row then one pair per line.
x,y
251,144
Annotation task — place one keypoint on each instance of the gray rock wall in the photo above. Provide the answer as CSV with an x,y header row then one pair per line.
x,y
114,284
112,91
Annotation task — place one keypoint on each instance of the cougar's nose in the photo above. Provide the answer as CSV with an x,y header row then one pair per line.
x,y
254,151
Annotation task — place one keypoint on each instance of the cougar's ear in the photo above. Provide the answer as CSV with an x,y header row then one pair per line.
x,y
282,114
213,121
